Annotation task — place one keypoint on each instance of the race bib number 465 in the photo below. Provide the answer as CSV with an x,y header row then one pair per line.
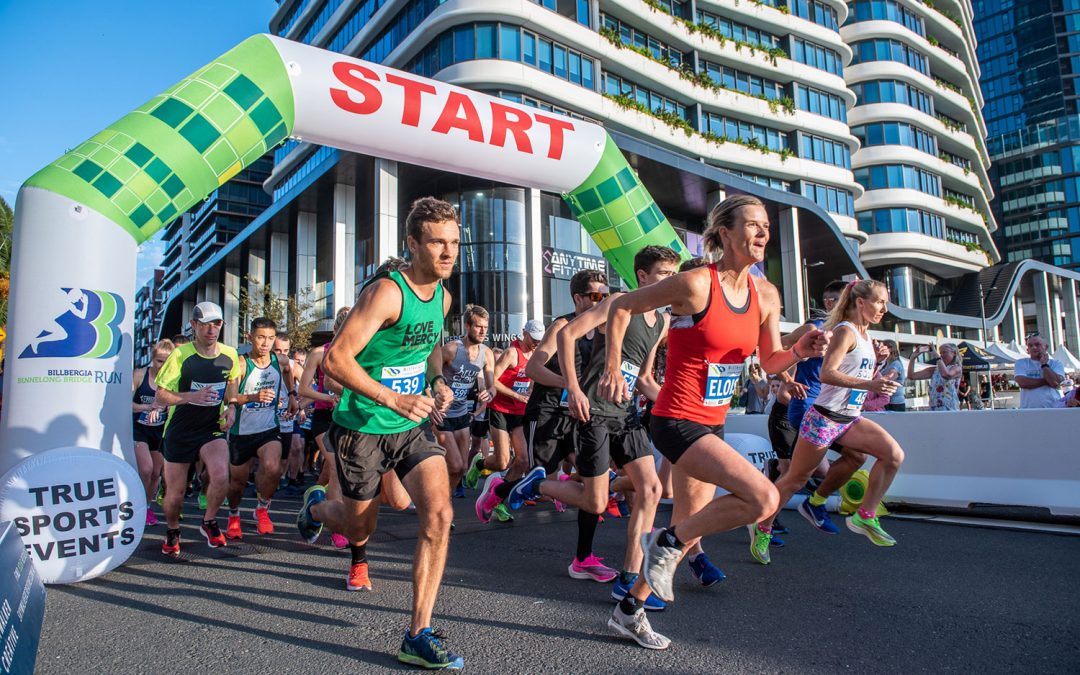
x,y
720,383
404,380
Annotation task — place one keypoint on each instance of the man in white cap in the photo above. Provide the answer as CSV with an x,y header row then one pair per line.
x,y
199,383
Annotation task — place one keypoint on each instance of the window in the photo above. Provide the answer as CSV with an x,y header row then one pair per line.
x,y
832,199
737,31
618,86
816,56
824,150
904,220
886,10
886,176
636,38
893,91
889,50
820,102
816,11
736,80
896,133
736,129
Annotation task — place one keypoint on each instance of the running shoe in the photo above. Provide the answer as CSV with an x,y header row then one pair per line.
x,y
871,529
472,476
624,509
502,514
427,651
705,571
759,544
659,564
202,501
488,500
171,545
619,591
338,540
233,530
528,489
591,568
613,507
816,516
263,524
778,527
151,519
636,627
776,542
310,529
214,537
459,492
358,578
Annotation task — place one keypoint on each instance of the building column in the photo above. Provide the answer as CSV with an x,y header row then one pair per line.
x,y
306,250
594,17
231,308
256,274
1072,316
534,254
714,198
344,245
791,263
1044,308
387,242
1055,314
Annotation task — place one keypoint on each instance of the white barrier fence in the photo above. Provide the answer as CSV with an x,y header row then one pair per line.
x,y
956,459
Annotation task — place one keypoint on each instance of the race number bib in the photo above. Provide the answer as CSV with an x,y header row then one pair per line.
x,y
461,390
259,405
521,387
217,387
856,399
720,383
630,374
404,380
564,400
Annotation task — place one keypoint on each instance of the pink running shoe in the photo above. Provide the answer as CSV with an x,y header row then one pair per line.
x,y
151,519
338,540
488,500
591,568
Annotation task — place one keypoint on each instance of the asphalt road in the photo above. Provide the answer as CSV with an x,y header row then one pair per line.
x,y
947,599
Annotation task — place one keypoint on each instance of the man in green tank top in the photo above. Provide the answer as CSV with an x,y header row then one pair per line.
x,y
385,358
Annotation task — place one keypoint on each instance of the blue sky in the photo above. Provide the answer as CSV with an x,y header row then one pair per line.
x,y
75,66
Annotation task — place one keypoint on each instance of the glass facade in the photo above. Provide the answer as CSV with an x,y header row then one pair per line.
x,y
893,91
816,56
896,133
892,176
902,220
886,10
1028,55
866,51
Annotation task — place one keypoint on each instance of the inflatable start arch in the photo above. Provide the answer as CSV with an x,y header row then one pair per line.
x,y
80,220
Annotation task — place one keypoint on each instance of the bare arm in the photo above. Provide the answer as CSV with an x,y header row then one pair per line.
x,y
843,341
774,357
508,359
791,338
537,368
1030,382
489,375
307,379
912,374
136,380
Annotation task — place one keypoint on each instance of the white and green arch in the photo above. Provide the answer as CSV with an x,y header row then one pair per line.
x,y
80,220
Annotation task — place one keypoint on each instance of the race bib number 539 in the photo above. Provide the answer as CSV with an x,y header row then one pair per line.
x,y
404,380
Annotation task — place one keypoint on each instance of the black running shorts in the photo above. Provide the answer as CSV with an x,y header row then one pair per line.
x,y
505,421
150,435
781,434
320,421
479,428
603,439
244,448
673,437
184,448
451,424
364,458
550,439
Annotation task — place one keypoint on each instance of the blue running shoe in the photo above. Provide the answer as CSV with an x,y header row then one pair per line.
x,y
427,651
776,542
778,527
818,517
459,492
619,591
705,571
527,489
310,529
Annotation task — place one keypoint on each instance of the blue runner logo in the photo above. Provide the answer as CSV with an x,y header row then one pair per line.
x,y
88,329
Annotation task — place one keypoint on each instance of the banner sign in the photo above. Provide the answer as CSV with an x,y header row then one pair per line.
x,y
22,605
562,264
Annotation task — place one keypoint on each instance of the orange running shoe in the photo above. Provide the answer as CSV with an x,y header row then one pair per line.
x,y
358,578
233,531
171,545
214,537
262,522
613,507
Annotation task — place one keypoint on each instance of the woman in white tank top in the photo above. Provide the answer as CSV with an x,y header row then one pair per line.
x,y
847,376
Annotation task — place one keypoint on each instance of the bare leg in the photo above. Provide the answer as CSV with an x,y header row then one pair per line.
x,y
642,472
215,456
175,486
429,487
269,473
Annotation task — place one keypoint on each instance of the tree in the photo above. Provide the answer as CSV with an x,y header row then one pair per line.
x,y
296,315
7,222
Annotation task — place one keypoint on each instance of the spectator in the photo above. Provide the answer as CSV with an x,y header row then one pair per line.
x,y
775,383
1070,400
944,376
757,390
969,397
894,370
1039,376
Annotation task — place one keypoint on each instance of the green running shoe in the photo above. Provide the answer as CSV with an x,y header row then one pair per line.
x,y
759,544
160,493
202,501
472,476
871,529
502,514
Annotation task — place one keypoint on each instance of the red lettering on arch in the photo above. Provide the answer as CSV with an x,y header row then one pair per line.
x,y
557,127
501,123
468,120
414,90
346,73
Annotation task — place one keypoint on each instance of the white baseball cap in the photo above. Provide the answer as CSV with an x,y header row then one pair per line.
x,y
205,312
535,329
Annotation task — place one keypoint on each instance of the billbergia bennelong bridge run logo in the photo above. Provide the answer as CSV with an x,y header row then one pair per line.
x,y
88,328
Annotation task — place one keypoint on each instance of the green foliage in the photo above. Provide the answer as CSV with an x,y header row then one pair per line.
x,y
7,223
295,314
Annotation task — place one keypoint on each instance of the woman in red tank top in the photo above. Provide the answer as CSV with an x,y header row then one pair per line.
x,y
720,316
506,410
